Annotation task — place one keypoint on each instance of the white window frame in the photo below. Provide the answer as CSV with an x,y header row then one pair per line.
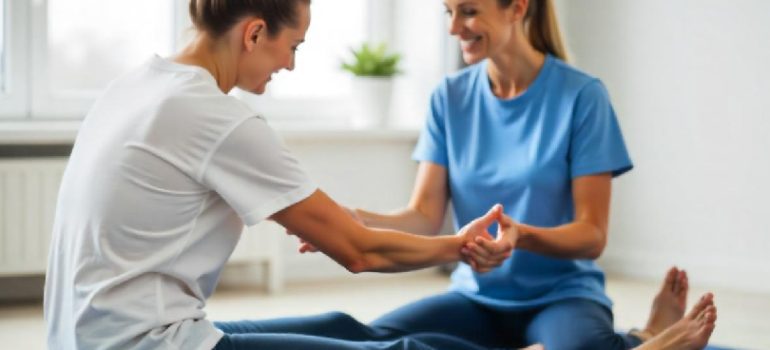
x,y
14,99
56,105
29,96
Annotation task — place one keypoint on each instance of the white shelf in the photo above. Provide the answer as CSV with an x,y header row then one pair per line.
x,y
64,132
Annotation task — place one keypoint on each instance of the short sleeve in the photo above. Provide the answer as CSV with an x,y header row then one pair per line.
x,y
432,145
597,144
254,173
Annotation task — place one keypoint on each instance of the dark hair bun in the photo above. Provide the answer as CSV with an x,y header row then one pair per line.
x,y
216,17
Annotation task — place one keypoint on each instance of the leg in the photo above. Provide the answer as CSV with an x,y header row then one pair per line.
x,y
576,324
298,341
448,313
330,325
691,332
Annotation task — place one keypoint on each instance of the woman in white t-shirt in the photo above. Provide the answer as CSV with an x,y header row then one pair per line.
x,y
165,171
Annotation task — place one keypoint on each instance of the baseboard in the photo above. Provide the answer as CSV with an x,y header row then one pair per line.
x,y
704,271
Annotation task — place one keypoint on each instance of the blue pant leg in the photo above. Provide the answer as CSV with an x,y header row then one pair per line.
x,y
331,325
300,342
449,313
577,324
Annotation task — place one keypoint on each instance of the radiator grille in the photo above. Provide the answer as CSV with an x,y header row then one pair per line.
x,y
28,190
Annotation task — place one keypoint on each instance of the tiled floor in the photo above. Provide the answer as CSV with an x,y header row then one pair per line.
x,y
743,318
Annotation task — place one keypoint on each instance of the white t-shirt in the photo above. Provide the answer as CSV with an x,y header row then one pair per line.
x,y
164,173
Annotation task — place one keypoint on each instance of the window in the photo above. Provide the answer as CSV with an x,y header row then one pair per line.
x,y
56,56
87,43
318,91
2,46
112,36
334,29
13,62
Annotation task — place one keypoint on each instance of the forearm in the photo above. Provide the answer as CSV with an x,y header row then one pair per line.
x,y
576,240
407,220
394,251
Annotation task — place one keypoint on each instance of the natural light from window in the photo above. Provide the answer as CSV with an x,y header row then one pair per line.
x,y
2,46
335,26
91,42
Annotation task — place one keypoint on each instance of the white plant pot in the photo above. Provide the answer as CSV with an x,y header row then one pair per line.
x,y
371,104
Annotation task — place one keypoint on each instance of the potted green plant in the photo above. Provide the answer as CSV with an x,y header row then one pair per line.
x,y
373,70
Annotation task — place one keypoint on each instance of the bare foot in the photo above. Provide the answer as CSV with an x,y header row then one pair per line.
x,y
668,305
692,332
534,347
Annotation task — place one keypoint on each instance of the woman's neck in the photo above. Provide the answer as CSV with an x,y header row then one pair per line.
x,y
213,56
512,72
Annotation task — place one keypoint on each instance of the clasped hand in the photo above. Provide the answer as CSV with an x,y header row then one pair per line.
x,y
481,250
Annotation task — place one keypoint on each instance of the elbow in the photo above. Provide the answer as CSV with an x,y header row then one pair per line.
x,y
355,264
598,245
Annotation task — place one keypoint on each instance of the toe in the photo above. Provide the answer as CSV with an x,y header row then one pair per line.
x,y
705,301
669,283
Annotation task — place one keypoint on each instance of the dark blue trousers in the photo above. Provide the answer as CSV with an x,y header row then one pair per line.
x,y
564,325
330,331
446,321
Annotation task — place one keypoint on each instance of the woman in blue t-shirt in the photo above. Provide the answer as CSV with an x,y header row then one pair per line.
x,y
521,127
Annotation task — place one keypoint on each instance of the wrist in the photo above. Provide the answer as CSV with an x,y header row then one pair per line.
x,y
453,244
524,237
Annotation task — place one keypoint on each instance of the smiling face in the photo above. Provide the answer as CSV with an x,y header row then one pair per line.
x,y
265,55
483,27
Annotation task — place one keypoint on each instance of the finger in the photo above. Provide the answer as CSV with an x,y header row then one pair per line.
x,y
491,216
479,252
496,247
478,261
505,220
307,247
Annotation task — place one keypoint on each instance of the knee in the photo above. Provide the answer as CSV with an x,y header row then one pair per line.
x,y
337,317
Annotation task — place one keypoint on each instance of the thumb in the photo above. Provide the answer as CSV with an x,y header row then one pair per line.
x,y
491,216
505,221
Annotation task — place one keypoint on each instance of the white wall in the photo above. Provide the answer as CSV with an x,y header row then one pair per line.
x,y
691,84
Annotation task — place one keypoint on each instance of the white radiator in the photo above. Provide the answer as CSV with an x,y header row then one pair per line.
x,y
28,190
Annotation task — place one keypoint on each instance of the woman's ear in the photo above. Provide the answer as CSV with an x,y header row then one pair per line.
x,y
253,32
519,9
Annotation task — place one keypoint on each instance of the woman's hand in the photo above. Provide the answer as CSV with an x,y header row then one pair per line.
x,y
484,253
305,247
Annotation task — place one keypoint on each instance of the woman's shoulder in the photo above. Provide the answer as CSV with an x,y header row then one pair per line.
x,y
460,82
464,75
573,79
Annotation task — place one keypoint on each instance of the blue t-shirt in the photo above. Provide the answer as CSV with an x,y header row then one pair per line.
x,y
524,153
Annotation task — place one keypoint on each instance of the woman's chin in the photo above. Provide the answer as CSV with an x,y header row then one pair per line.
x,y
471,58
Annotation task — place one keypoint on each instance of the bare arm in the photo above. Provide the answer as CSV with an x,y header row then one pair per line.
x,y
583,238
324,224
586,236
426,209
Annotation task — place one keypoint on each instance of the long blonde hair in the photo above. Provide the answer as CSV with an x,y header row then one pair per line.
x,y
542,27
